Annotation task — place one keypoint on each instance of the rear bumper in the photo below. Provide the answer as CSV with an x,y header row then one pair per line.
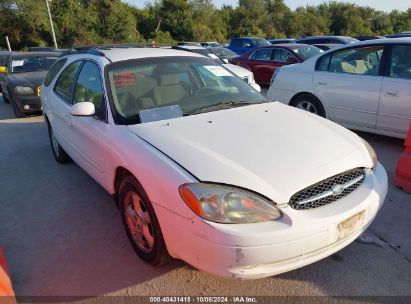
x,y
282,96
252,251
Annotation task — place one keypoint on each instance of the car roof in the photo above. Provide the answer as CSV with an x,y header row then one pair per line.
x,y
247,38
191,47
406,40
316,37
34,54
282,39
284,45
122,54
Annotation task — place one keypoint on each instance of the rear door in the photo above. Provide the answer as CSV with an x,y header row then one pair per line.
x,y
60,118
260,64
349,83
394,114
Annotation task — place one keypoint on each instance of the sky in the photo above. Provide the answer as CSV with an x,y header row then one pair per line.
x,y
384,5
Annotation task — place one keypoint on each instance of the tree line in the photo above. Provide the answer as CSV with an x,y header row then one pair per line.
x,y
79,22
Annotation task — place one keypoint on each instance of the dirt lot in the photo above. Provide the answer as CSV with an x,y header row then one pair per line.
x,y
62,235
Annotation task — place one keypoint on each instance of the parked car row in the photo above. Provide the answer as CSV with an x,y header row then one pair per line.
x,y
363,86
263,61
203,168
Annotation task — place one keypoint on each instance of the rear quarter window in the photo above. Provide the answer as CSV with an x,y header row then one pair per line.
x,y
55,68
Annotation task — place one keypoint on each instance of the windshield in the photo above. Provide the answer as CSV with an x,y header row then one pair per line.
x,y
223,52
260,42
32,63
350,40
306,51
208,53
186,83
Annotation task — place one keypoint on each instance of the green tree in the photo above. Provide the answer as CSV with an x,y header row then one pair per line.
x,y
176,18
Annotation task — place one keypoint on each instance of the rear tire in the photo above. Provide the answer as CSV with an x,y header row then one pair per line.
x,y
309,103
141,223
58,152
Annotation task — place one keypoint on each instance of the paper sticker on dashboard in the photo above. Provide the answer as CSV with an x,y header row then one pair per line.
x,y
17,63
218,70
124,79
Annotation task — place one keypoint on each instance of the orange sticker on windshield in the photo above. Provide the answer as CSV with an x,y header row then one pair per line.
x,y
124,79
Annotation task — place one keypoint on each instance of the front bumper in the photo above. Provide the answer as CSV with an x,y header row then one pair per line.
x,y
28,103
260,250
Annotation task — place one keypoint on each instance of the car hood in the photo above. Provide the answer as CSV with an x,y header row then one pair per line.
x,y
270,148
237,70
32,79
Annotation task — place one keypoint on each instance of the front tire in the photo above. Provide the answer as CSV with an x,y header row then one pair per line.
x,y
5,99
58,152
309,103
141,223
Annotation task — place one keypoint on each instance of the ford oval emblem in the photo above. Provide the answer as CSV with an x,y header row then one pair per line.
x,y
337,189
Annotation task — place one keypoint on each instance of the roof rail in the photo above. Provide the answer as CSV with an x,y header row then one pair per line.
x,y
89,50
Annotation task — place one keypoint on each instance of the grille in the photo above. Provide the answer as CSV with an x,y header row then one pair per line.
x,y
328,191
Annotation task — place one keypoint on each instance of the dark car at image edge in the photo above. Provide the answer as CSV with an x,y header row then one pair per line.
x,y
21,76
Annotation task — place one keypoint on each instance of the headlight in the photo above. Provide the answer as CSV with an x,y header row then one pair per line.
x,y
224,204
24,90
372,153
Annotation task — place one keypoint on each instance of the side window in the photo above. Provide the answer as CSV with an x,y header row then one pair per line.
x,y
262,54
333,40
400,62
89,88
64,84
236,43
281,55
361,61
324,63
55,68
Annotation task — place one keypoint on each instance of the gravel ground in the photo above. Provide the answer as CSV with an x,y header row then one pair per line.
x,y
62,235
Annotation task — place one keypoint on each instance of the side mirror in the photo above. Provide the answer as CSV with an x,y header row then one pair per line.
x,y
83,109
3,69
256,86
225,60
292,60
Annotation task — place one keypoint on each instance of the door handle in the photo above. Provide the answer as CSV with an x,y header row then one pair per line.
x,y
391,93
322,83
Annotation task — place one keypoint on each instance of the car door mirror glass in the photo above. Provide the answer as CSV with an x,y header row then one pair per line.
x,y
83,109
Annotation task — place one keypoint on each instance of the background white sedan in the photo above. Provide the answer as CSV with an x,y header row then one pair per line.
x,y
364,86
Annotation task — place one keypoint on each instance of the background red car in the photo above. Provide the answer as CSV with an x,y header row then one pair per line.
x,y
263,61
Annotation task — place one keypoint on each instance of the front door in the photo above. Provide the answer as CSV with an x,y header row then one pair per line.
x,y
87,133
349,83
394,114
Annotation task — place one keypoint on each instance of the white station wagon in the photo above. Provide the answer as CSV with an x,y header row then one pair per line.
x,y
203,168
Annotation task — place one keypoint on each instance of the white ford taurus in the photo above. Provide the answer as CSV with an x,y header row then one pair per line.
x,y
203,168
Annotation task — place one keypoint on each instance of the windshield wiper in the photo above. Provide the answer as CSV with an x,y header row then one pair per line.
x,y
220,106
